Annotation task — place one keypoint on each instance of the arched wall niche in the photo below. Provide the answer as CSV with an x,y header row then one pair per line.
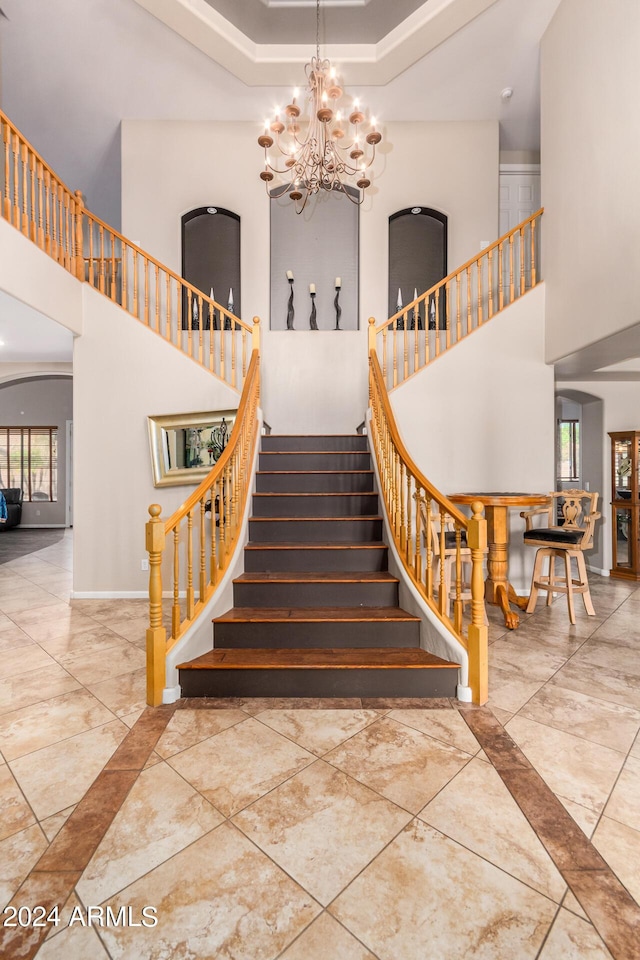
x,y
318,246
211,253
417,254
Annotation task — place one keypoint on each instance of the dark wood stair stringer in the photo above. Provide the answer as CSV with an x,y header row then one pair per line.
x,y
316,612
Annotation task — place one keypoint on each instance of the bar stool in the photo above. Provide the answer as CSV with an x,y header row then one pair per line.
x,y
567,540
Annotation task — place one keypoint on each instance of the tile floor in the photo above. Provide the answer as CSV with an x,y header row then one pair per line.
x,y
349,830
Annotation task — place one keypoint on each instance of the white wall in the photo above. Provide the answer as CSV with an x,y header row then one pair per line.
x,y
169,168
481,416
29,275
123,372
590,143
620,405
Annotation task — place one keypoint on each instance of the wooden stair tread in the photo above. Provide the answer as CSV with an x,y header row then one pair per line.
x,y
327,545
348,519
313,614
316,493
293,576
380,658
278,473
287,453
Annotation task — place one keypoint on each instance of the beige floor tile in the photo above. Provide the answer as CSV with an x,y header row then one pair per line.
x,y
28,688
240,764
502,715
571,938
74,943
307,827
49,629
18,855
57,776
318,730
220,899
132,628
406,904
574,768
161,816
11,636
26,598
66,914
188,727
109,610
609,724
604,684
49,721
325,938
444,725
52,825
616,657
124,694
507,690
93,668
539,663
21,660
624,802
16,812
635,749
53,611
96,640
510,844
131,718
620,847
404,765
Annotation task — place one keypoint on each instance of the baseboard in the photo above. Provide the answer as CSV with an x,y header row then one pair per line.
x,y
171,694
41,526
110,595
603,573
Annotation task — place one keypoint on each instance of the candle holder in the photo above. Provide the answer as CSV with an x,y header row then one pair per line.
x,y
336,304
290,310
313,323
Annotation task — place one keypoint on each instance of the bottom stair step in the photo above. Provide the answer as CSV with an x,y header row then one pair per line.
x,y
333,672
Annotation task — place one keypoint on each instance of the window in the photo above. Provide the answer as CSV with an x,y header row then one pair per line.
x,y
568,450
29,460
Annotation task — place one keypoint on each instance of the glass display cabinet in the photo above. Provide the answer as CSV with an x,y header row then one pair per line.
x,y
625,504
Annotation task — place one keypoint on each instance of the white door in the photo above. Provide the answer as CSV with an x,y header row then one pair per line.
x,y
519,198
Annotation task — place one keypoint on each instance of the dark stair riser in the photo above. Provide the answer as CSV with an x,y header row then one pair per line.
x,y
293,634
392,682
315,461
349,442
312,482
316,594
315,531
315,505
318,559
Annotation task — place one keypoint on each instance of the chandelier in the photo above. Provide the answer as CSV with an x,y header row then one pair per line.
x,y
328,150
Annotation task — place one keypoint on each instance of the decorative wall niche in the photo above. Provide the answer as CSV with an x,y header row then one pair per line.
x,y
417,253
317,246
211,253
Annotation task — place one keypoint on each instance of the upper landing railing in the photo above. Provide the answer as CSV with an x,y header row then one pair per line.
x,y
39,204
461,302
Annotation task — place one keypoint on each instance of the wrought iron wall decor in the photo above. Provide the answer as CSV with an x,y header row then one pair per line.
x,y
313,322
290,308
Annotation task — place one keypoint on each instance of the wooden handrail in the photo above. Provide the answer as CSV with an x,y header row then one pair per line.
x,y
458,304
431,562
208,553
455,513
43,208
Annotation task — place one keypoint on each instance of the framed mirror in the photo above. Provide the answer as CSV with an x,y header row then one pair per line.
x,y
185,446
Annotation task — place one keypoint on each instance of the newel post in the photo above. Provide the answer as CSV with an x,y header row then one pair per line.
x,y
255,334
79,240
478,630
372,334
156,633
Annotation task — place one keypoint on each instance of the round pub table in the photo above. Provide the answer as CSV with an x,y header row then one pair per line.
x,y
498,590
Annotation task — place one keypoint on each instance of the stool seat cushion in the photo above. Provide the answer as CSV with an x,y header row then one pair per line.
x,y
554,535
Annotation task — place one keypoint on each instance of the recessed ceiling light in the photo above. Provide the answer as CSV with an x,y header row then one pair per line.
x,y
507,93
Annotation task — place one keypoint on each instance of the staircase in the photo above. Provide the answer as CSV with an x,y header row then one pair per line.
x,y
316,611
